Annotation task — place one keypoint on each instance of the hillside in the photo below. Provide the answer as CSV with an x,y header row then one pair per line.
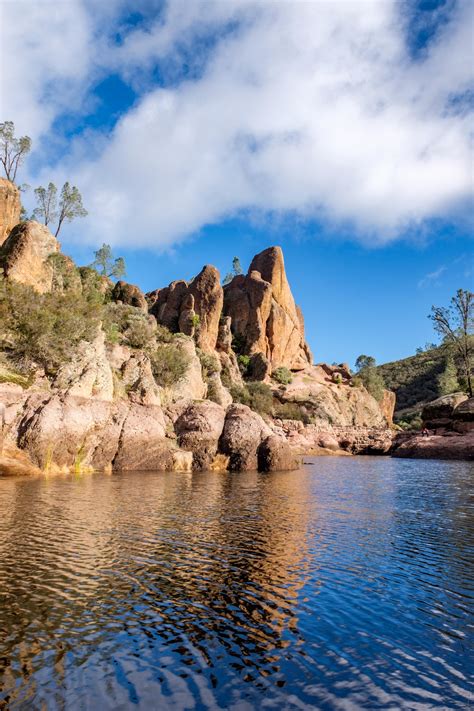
x,y
414,380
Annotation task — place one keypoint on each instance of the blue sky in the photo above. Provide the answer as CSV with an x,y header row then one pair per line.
x,y
196,132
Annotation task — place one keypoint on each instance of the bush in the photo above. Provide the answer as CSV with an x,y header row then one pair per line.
x,y
45,329
373,381
258,396
169,363
283,376
244,362
209,363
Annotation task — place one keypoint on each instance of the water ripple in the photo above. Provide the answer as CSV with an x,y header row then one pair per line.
x,y
346,585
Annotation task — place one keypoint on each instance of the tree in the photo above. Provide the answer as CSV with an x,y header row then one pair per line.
x,y
70,205
236,271
47,199
105,263
448,379
12,150
364,361
455,324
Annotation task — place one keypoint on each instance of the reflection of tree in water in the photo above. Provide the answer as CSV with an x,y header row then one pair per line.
x,y
188,571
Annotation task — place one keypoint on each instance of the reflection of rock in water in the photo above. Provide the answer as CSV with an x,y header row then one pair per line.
x,y
203,567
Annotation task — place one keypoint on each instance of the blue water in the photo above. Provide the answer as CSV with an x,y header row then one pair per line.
x,y
346,585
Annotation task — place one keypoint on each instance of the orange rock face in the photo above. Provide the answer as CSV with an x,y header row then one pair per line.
x,y
264,314
25,255
10,207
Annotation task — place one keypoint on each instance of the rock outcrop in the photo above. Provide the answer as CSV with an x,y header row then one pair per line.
x,y
130,295
10,208
24,255
448,431
244,431
264,316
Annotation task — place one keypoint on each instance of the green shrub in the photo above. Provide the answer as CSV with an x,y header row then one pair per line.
x,y
45,329
244,362
240,394
238,343
373,381
209,363
283,376
169,363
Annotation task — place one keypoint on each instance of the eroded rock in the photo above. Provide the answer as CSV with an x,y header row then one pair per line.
x,y
24,255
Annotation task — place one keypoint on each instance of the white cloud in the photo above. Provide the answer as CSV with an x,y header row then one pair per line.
x,y
432,277
312,108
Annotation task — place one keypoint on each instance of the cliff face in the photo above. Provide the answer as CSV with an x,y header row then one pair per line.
x,y
264,314
109,405
10,207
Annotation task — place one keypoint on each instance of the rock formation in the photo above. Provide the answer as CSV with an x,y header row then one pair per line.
x,y
10,208
264,315
24,255
448,433
107,408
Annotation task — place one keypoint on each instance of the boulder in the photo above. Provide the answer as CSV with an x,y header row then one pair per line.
x,y
15,462
24,255
242,435
438,413
199,428
264,315
138,381
187,317
191,386
274,454
463,416
130,295
10,208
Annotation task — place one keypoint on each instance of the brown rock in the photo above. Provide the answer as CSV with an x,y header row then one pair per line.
x,y
274,455
208,301
243,433
15,462
464,411
387,405
438,413
89,374
24,255
187,316
10,208
264,315
448,446
199,428
130,295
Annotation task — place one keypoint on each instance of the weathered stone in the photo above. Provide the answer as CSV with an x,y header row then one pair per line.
x,y
208,301
191,386
138,380
464,412
224,337
243,432
199,428
24,255
10,208
15,462
187,317
275,455
259,367
443,446
130,295
438,413
89,374
387,405
264,315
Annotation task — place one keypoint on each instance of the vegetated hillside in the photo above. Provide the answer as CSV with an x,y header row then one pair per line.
x,y
415,380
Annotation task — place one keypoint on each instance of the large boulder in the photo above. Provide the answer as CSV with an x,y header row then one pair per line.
x,y
10,208
265,318
438,413
274,455
130,295
451,445
24,255
199,428
89,374
244,431
463,416
208,302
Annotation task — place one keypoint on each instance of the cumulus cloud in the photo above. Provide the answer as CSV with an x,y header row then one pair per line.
x,y
315,109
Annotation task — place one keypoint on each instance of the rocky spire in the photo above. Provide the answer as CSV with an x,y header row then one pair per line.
x,y
10,208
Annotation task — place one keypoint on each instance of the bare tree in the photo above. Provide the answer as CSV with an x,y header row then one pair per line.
x,y
455,324
12,150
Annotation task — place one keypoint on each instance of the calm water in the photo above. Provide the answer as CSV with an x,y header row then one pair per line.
x,y
346,585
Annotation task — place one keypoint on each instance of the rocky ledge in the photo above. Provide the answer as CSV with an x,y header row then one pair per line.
x,y
448,431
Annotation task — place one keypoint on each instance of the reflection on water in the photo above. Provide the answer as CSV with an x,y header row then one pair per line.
x,y
346,585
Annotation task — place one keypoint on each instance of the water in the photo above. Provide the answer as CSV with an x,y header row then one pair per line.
x,y
346,585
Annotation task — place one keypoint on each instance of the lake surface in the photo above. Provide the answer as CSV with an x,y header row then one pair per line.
x,y
346,585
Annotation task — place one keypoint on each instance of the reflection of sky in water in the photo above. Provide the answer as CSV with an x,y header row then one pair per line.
x,y
341,586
